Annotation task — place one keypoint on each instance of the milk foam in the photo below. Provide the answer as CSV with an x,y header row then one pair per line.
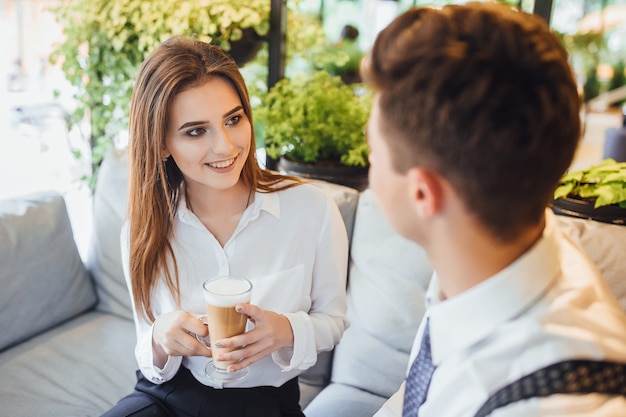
x,y
226,292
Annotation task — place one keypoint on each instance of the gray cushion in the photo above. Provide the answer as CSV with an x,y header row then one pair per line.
x,y
388,279
81,368
338,400
42,277
606,246
346,198
308,392
105,259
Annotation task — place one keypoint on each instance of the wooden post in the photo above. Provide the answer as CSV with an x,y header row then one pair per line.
x,y
543,8
277,42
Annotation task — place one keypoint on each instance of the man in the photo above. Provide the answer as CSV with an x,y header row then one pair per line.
x,y
475,119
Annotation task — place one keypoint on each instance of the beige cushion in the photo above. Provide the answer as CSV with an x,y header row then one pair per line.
x,y
605,244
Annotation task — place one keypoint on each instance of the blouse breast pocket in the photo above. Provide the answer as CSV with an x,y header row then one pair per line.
x,y
282,292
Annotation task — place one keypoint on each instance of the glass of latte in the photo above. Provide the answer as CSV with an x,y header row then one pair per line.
x,y
221,296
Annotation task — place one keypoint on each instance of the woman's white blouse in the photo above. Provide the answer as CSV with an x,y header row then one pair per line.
x,y
292,245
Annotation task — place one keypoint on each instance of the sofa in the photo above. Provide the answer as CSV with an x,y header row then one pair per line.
x,y
67,335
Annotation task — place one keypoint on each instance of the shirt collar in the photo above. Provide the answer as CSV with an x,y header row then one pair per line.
x,y
269,202
466,319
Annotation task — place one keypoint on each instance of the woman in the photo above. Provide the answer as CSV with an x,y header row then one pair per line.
x,y
200,206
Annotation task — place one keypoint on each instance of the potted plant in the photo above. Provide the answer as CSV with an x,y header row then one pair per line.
x,y
343,57
597,192
314,126
107,40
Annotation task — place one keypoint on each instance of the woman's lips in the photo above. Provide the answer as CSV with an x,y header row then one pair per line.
x,y
222,164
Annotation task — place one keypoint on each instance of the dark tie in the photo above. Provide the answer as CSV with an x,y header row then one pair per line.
x,y
419,377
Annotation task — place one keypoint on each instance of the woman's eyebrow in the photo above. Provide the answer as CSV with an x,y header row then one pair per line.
x,y
203,122
236,109
192,124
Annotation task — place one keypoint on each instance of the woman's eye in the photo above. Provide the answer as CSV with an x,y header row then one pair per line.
x,y
196,132
233,120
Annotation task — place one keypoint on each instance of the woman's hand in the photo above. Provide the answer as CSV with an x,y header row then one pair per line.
x,y
272,331
174,334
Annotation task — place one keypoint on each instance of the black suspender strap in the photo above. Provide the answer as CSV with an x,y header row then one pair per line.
x,y
567,377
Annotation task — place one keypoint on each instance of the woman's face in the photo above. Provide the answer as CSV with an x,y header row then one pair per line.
x,y
209,134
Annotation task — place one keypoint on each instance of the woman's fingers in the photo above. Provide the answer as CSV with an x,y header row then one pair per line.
x,y
272,331
175,333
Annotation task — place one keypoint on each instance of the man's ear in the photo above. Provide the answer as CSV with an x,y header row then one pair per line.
x,y
426,191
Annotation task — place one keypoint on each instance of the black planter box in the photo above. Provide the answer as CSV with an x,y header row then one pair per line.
x,y
583,208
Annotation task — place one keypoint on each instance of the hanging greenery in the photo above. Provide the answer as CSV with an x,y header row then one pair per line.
x,y
107,40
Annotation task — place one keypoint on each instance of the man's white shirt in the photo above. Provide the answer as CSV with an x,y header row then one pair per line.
x,y
550,305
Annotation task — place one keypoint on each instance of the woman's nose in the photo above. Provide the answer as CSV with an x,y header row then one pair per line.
x,y
222,144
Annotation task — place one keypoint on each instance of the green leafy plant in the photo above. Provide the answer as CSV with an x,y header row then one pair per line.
x,y
107,40
605,182
317,119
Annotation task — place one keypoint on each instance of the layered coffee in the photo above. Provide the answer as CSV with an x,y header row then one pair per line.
x,y
221,295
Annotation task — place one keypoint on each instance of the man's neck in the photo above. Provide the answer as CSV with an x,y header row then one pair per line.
x,y
467,255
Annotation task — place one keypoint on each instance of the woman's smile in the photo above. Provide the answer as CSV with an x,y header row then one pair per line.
x,y
226,163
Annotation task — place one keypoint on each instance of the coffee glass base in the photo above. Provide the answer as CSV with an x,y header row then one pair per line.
x,y
222,375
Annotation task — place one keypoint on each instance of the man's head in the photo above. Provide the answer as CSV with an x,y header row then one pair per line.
x,y
483,96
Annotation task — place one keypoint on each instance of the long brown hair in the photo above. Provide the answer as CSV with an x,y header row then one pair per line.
x,y
156,185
